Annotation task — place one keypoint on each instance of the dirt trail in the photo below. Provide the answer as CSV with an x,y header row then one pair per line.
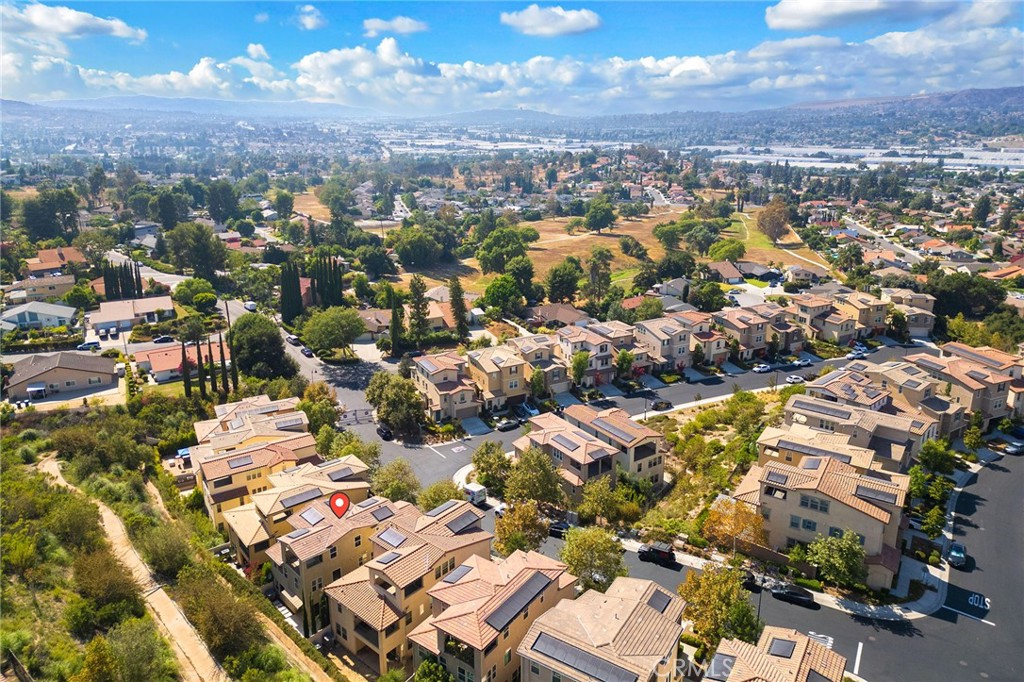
x,y
194,659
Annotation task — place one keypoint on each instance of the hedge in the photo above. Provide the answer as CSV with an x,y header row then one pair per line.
x,y
37,345
809,583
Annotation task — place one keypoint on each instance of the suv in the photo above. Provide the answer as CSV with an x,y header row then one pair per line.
x,y
658,553
89,345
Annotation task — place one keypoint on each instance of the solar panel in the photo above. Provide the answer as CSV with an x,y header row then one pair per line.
x,y
461,522
428,365
804,449
822,409
912,383
815,676
340,474
442,508
783,648
312,516
916,424
583,661
912,371
239,462
975,374
393,537
287,423
614,430
566,443
518,601
720,668
297,533
776,477
299,498
872,392
930,364
875,495
811,463
382,513
457,575
388,558
369,502
659,601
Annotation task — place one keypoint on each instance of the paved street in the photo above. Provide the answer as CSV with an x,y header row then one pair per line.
x,y
911,256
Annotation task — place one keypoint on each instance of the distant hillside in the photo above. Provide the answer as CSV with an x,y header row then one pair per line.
x,y
215,107
994,98
499,117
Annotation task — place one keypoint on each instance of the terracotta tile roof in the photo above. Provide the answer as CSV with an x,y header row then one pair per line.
x,y
622,427
440,362
758,664
662,327
551,431
60,255
245,414
164,359
251,459
849,387
496,358
971,374
118,311
355,591
992,358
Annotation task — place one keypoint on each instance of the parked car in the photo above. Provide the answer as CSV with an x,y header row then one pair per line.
x,y
500,509
103,334
558,529
384,432
750,581
657,553
89,345
802,362
794,594
957,555
661,405
292,339
855,355
507,425
413,354
114,333
250,306
1014,448
1017,431
307,352
761,368
794,379
531,410
735,291
164,338
519,412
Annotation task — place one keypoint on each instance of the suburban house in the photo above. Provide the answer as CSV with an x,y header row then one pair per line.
x,y
501,375
913,392
710,344
577,455
790,443
748,329
39,288
638,445
677,288
600,366
805,274
780,655
724,271
868,312
39,376
825,496
377,322
979,388
894,437
231,478
820,320
375,607
247,422
37,315
554,315
164,364
435,316
123,315
628,634
849,388
667,340
539,351
53,261
623,338
993,358
916,307
448,391
442,294
254,527
788,336
483,609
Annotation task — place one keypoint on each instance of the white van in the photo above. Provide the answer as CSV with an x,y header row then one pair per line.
x,y
250,306
475,493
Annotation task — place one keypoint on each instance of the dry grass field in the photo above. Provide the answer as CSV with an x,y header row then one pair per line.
x,y
308,203
19,193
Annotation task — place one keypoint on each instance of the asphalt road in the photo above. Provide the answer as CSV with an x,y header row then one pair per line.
x,y
911,256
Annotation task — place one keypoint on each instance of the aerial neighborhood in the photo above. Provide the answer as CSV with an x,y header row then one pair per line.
x,y
299,391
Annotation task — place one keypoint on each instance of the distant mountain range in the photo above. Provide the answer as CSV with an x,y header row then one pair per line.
x,y
993,98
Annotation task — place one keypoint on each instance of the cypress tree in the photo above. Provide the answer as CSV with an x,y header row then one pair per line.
x,y
202,370
186,372
223,366
458,303
213,367
138,282
396,326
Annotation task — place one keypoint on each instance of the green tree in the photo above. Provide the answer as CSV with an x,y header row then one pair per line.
x,y
533,477
773,218
81,297
562,282
708,297
398,402
504,295
492,466
192,245
742,623
936,456
728,521
919,480
624,363
284,204
99,665
520,269
457,298
598,501
710,595
141,653
166,550
257,348
974,440
840,560
222,201
898,327
599,273
223,622
431,671
94,245
538,387
332,328
600,214
593,555
499,247
437,493
730,250
934,522
419,325
982,209
578,366
522,528
396,481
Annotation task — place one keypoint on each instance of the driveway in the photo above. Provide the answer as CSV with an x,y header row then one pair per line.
x,y
733,369
611,391
566,399
475,426
693,375
652,382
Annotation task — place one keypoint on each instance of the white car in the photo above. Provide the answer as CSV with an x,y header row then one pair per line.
x,y
855,355
860,347
802,362
761,369
794,379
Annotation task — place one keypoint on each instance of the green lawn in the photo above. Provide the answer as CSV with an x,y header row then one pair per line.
x,y
171,389
756,282
746,231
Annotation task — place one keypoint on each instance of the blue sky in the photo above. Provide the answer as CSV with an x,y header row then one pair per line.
x,y
591,57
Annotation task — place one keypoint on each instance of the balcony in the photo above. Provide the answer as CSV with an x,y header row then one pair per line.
x,y
367,634
460,650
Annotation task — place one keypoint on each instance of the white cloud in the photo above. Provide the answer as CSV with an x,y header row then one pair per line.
x,y
257,51
43,28
399,25
771,49
551,21
310,18
261,18
802,15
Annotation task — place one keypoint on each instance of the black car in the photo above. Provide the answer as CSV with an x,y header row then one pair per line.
x,y
307,352
1017,431
658,553
558,529
384,432
164,339
750,582
414,354
794,594
661,405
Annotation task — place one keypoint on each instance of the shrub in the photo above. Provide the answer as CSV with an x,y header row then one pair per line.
x,y
808,583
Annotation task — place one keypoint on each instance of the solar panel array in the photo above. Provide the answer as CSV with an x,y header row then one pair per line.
x,y
428,365
874,494
583,661
822,409
239,462
975,374
442,508
287,423
930,364
659,601
457,575
815,676
811,463
783,648
804,449
368,502
562,440
977,357
912,371
872,392
912,383
299,498
518,601
776,477
392,537
312,516
340,474
614,430
388,558
461,522
297,533
382,513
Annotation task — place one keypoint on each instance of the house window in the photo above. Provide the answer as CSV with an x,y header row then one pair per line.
x,y
514,384
504,633
794,522
810,525
835,532
334,552
336,575
465,675
359,540
69,383
534,670
508,656
817,504
513,370
408,617
555,677
95,380
317,584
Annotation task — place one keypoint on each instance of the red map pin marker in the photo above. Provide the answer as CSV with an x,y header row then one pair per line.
x,y
339,504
